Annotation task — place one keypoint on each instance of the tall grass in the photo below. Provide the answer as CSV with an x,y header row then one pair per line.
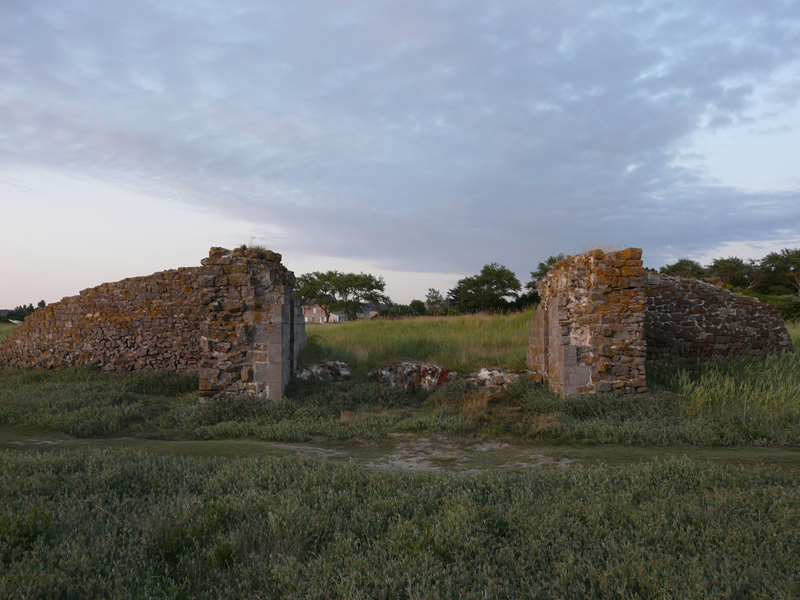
x,y
754,391
5,329
462,343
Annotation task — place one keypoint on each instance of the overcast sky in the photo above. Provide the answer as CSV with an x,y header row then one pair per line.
x,y
418,140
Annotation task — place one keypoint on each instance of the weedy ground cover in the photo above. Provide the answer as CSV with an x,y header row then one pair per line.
x,y
89,403
82,524
717,404
118,523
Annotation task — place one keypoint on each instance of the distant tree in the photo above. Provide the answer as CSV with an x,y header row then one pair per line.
x,y
317,288
488,290
41,304
435,302
732,271
784,267
684,268
418,306
20,312
352,290
527,299
335,291
756,274
541,271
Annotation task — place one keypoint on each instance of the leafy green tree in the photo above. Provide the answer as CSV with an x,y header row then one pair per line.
x,y
418,306
317,288
541,271
335,291
756,274
352,290
784,267
487,291
684,267
435,302
732,271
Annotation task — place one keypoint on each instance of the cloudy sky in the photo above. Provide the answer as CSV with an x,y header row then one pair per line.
x,y
418,140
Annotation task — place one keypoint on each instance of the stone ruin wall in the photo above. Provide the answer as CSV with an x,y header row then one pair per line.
x,y
233,321
588,332
602,316
687,320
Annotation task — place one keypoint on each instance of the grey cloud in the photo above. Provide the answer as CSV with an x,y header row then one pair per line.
x,y
424,135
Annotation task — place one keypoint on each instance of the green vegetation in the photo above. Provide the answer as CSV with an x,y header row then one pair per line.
x,y
5,329
718,404
463,343
488,291
335,291
85,524
113,522
774,279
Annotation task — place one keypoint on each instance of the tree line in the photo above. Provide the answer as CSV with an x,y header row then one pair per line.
x,y
777,274
20,312
497,289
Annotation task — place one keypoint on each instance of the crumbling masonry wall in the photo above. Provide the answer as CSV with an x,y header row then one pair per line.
x,y
588,332
602,316
232,320
687,320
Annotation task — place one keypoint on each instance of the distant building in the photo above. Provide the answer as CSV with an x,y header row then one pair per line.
x,y
313,313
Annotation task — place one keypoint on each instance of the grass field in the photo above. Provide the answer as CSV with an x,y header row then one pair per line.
x,y
721,404
112,522
464,343
5,329
89,524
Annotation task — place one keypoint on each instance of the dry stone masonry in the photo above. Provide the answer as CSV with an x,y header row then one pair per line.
x,y
602,316
687,320
232,320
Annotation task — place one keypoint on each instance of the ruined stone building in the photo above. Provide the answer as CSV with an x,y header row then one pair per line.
x,y
232,320
602,317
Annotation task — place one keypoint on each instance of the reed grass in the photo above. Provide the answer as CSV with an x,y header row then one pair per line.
x,y
756,390
462,343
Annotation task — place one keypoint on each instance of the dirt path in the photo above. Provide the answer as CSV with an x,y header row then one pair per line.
x,y
416,453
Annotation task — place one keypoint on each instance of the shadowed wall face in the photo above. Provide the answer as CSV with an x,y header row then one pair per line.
x,y
687,320
233,320
602,316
